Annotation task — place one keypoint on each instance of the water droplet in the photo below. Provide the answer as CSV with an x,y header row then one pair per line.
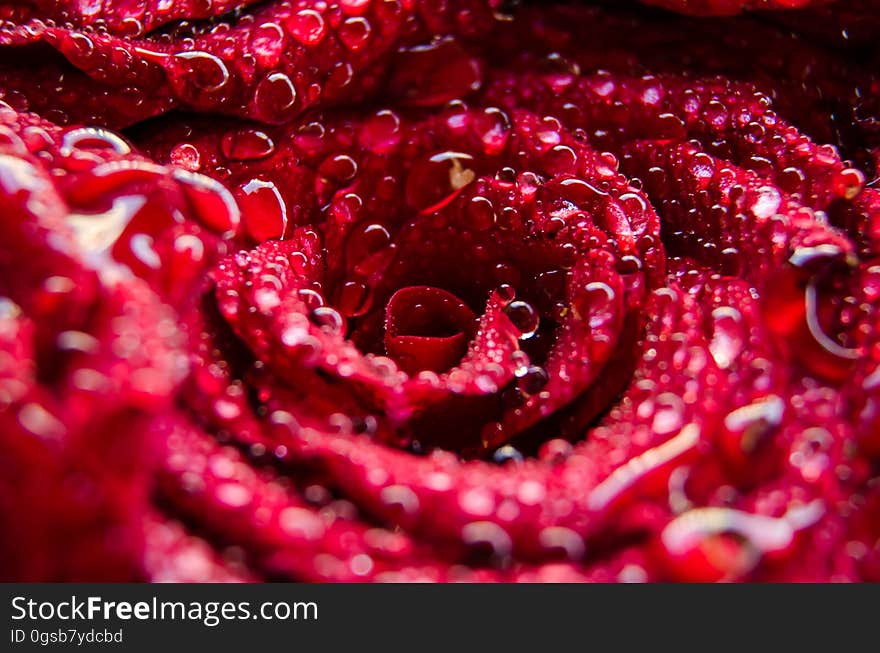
x,y
92,138
79,50
354,7
669,127
301,523
533,380
381,132
339,78
767,203
263,210
355,33
791,180
716,114
560,159
212,204
478,501
727,336
629,264
310,137
275,98
267,43
402,497
432,75
246,144
506,176
197,73
800,309
333,172
549,132
702,167
524,318
596,304
527,185
489,535
39,421
307,26
142,247
365,241
186,156
312,299
507,454
493,127
555,451
848,183
668,414
480,213
564,539
353,298
427,328
233,495
435,181
327,319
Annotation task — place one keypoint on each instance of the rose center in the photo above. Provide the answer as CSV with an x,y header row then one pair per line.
x,y
427,328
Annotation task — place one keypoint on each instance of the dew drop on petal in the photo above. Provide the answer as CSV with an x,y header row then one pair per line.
x,y
524,318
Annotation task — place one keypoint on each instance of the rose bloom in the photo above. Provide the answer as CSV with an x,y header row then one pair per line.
x,y
404,290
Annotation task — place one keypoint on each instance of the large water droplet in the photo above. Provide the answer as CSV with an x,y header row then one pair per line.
x,y
427,328
307,26
353,298
493,128
327,319
186,156
433,74
480,213
92,138
355,33
595,304
533,380
197,73
267,43
507,454
275,98
524,318
263,210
